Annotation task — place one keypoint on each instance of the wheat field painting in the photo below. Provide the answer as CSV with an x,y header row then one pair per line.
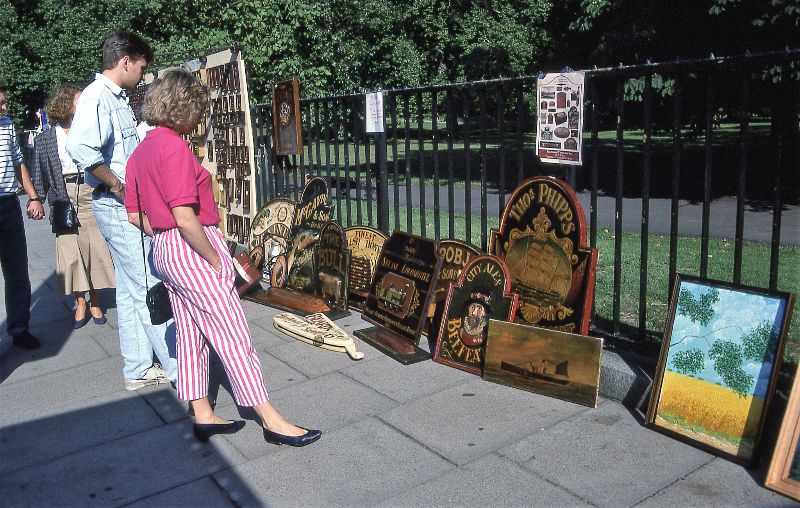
x,y
722,348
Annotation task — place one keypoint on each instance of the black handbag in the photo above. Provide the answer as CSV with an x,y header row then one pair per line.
x,y
64,217
157,298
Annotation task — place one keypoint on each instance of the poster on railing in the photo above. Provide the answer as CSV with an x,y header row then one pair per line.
x,y
374,112
559,124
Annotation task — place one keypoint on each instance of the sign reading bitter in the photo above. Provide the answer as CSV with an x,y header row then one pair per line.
x,y
365,246
400,294
481,293
542,238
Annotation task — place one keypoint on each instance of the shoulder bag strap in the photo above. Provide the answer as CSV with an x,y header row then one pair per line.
x,y
141,230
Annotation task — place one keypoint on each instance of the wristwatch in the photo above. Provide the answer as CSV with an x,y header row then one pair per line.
x,y
37,198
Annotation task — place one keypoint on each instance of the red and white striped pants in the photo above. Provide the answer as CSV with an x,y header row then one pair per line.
x,y
207,309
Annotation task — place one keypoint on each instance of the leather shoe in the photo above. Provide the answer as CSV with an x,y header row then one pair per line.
x,y
203,431
309,437
80,323
26,341
99,320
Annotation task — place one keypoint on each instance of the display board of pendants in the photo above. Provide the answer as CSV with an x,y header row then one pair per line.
x,y
536,280
223,140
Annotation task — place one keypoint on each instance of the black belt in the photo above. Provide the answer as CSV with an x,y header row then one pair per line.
x,y
78,179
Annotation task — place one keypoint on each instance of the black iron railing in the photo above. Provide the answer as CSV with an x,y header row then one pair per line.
x,y
452,153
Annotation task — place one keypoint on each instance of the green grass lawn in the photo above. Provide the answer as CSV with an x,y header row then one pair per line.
x,y
755,269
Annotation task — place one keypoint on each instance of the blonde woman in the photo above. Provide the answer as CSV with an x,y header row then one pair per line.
x,y
190,254
83,262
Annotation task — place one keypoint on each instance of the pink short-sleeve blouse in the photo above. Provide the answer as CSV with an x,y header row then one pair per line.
x,y
168,175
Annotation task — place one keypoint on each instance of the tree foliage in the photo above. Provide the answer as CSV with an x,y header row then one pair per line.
x,y
698,310
689,361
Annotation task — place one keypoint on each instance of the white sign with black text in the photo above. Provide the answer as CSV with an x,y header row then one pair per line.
x,y
374,113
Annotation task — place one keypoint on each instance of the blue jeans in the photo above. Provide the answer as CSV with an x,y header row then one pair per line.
x,y
14,261
138,337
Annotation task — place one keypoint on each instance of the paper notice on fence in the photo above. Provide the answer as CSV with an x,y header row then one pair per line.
x,y
559,123
374,116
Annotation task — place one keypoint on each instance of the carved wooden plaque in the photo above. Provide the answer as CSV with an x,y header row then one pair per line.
x,y
332,260
481,293
270,232
311,215
286,117
399,296
365,246
542,238
455,255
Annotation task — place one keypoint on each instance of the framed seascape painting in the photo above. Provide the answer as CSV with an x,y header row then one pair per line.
x,y
783,474
718,364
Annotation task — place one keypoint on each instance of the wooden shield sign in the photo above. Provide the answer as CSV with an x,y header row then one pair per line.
x,y
542,238
399,296
311,215
286,117
481,293
454,255
332,260
365,246
270,232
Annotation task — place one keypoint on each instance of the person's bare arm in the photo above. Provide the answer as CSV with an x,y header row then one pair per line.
x,y
192,231
35,208
133,218
104,174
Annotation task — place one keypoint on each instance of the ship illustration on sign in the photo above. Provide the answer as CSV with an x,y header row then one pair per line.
x,y
545,370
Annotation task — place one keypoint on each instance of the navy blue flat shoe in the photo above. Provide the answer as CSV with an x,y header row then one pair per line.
x,y
80,323
203,431
309,437
99,320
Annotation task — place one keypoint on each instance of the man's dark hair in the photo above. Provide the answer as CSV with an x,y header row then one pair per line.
x,y
120,44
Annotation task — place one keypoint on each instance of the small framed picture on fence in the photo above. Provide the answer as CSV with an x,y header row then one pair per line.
x,y
783,474
286,117
717,369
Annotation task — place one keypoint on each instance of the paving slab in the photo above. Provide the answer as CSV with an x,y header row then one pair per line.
x,y
68,430
163,400
61,349
315,362
199,493
264,335
106,337
404,383
473,419
719,483
353,466
488,481
29,399
277,375
325,403
596,453
121,471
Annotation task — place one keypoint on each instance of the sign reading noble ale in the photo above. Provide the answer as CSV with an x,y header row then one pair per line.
x,y
542,238
399,296
481,293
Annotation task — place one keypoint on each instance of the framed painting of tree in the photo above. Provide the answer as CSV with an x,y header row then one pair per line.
x,y
718,364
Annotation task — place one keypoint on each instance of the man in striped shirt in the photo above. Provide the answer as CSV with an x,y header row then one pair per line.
x,y
13,248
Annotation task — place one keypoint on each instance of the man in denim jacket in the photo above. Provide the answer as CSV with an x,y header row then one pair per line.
x,y
102,137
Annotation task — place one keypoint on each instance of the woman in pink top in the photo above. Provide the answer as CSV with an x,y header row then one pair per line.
x,y
190,254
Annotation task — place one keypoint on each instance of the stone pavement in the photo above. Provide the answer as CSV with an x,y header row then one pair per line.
x,y
393,435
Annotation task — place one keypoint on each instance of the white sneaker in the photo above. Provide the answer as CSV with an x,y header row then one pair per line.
x,y
155,375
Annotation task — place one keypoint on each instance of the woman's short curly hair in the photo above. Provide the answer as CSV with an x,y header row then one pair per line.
x,y
175,99
59,104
